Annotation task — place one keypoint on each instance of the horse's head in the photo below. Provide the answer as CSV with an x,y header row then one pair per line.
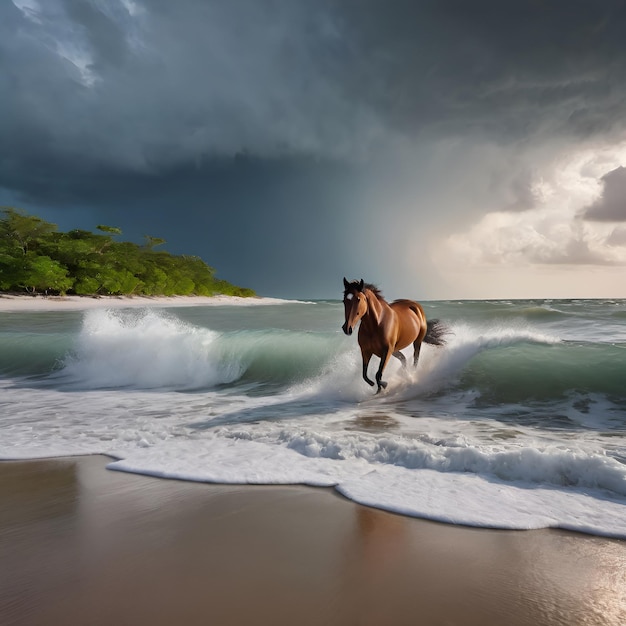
x,y
354,304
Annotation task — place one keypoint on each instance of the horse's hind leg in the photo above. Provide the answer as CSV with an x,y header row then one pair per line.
x,y
400,357
417,344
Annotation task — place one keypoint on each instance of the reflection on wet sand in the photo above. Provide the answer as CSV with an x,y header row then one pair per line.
x,y
83,545
449,574
38,527
375,422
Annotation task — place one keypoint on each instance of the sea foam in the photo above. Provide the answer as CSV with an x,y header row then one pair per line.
x,y
457,484
145,349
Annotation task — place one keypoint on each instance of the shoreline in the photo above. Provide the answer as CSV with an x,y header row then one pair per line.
x,y
15,302
87,545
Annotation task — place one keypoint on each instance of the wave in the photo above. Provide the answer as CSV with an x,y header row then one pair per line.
x,y
536,311
504,364
531,311
447,480
524,373
552,465
148,349
447,367
32,354
501,362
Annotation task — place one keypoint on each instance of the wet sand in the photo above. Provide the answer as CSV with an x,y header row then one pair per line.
x,y
82,545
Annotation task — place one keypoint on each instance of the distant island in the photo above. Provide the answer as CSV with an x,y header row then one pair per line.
x,y
36,258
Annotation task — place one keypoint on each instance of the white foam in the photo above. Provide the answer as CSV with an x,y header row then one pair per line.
x,y
441,470
438,368
146,349
396,476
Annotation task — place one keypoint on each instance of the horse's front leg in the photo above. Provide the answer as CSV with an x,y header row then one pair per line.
x,y
384,358
366,361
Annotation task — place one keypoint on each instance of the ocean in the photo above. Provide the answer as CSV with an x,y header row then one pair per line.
x,y
519,422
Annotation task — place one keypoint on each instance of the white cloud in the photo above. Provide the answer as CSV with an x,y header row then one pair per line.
x,y
550,238
133,7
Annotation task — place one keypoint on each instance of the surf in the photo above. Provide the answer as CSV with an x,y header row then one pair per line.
x,y
518,422
152,349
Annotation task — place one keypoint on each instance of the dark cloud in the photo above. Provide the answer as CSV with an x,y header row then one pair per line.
x,y
106,40
133,111
611,206
504,67
273,224
178,80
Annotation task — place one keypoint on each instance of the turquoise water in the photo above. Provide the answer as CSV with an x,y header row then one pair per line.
x,y
518,422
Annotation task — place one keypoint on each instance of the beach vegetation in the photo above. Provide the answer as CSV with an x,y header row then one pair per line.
x,y
36,257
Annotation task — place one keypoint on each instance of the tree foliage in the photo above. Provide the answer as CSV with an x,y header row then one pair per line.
x,y
36,257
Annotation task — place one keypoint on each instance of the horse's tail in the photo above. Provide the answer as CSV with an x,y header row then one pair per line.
x,y
436,332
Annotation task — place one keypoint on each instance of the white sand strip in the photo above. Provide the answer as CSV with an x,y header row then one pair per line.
x,y
12,302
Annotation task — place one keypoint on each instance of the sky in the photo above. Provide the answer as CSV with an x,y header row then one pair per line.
x,y
441,149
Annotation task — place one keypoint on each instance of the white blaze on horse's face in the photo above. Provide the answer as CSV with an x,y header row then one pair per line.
x,y
355,307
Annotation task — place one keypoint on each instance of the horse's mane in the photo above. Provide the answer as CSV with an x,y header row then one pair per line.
x,y
375,290
355,284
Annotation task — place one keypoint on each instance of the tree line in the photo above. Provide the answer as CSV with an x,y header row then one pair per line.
x,y
36,257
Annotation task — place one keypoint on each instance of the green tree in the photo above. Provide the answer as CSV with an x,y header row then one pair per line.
x,y
112,230
153,242
9,271
41,273
85,285
35,256
22,230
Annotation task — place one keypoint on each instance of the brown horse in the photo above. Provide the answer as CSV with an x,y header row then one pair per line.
x,y
386,328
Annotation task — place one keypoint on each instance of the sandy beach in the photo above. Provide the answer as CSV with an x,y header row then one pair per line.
x,y
12,302
80,544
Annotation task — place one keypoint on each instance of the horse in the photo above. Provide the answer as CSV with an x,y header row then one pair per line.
x,y
386,328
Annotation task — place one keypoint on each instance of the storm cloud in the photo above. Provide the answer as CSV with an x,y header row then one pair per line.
x,y
291,142
611,206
